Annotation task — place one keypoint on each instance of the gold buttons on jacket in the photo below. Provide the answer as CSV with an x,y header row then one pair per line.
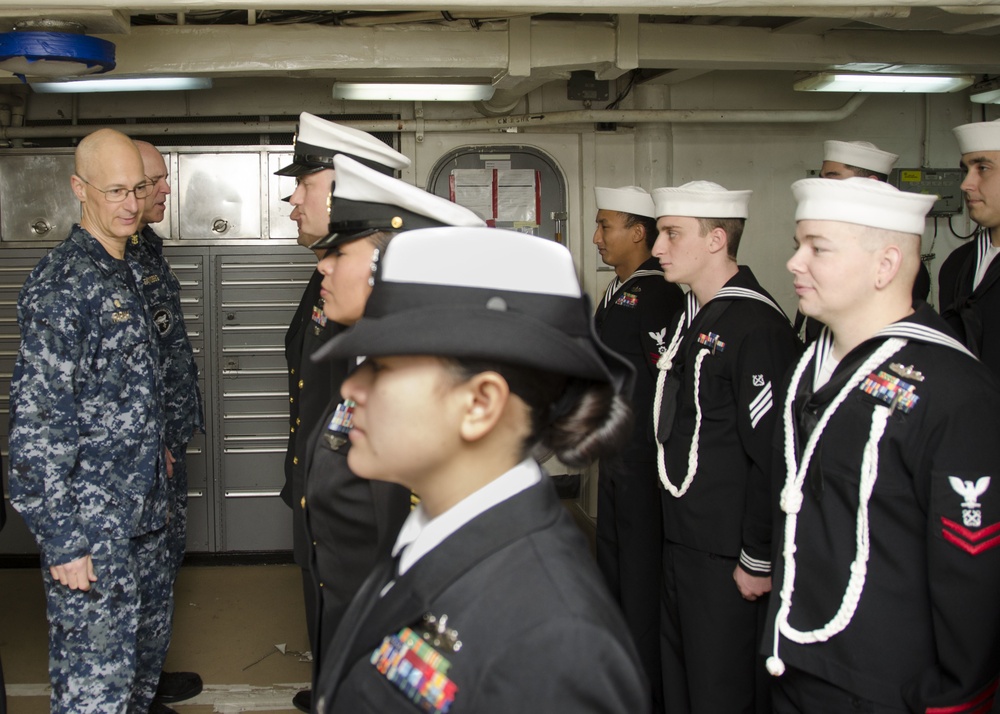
x,y
295,460
302,383
291,400
303,502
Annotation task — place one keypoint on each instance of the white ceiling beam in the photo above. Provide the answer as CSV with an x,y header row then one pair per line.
x,y
545,50
674,76
626,48
811,25
686,46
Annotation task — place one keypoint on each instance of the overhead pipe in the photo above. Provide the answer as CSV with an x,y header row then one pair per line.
x,y
507,123
404,18
830,11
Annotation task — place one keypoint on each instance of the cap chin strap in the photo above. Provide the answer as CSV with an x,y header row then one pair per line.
x,y
791,503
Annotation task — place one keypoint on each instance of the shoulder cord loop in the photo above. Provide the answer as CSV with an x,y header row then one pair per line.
x,y
791,503
663,365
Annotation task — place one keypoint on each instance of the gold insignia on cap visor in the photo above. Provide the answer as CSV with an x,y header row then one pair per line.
x,y
357,182
366,201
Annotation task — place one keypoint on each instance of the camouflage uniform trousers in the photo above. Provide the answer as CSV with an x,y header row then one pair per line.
x,y
107,645
175,537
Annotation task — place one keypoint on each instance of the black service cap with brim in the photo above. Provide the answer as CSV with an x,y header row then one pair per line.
x,y
482,293
357,219
318,141
312,159
366,201
550,333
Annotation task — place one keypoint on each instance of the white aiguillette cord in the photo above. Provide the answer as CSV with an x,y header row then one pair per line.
x,y
791,502
664,364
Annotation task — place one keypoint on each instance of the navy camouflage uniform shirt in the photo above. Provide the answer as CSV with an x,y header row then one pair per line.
x,y
182,397
86,427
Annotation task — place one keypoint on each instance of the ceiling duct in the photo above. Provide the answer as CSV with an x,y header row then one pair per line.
x,y
53,49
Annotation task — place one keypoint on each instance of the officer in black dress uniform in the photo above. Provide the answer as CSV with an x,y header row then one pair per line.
x,y
714,418
841,160
351,522
632,320
311,387
888,566
970,277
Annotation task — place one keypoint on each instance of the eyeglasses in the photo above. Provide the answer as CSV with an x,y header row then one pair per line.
x,y
117,195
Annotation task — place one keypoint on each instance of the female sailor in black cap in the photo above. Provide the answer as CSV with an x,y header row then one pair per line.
x,y
480,347
350,522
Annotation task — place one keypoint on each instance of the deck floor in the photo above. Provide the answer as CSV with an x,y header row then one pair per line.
x,y
229,622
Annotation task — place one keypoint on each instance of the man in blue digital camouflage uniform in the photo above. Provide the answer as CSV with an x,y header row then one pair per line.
x,y
87,471
182,399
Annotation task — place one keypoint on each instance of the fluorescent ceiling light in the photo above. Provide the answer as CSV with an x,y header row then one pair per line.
x,y
133,84
986,92
412,92
891,83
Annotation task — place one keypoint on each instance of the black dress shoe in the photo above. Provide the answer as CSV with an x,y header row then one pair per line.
x,y
177,686
303,700
157,708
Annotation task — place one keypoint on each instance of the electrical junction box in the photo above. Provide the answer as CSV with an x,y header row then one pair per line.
x,y
945,183
585,86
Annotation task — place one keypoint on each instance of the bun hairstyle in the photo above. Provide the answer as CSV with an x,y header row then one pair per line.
x,y
578,420
486,299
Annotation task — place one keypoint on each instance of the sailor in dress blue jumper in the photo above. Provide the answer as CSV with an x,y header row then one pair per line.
x,y
714,416
888,569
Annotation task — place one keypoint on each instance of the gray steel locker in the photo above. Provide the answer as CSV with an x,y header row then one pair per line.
x,y
219,195
257,296
190,266
15,267
37,203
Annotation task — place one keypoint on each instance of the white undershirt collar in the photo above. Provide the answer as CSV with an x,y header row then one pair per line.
x,y
420,534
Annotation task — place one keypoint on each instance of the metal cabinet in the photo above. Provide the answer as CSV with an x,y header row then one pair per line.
x,y
14,269
257,295
191,269
36,201
220,195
